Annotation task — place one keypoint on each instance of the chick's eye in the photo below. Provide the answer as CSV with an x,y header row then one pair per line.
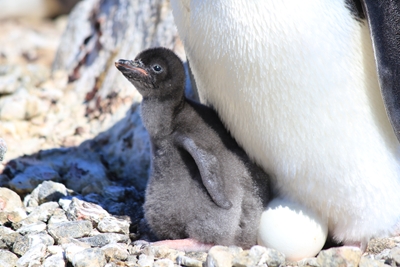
x,y
157,68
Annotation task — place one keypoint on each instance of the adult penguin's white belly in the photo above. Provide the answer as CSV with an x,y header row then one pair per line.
x,y
296,84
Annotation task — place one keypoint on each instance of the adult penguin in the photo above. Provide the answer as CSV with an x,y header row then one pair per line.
x,y
311,90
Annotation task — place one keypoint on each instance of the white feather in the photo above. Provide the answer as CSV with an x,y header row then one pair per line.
x,y
295,82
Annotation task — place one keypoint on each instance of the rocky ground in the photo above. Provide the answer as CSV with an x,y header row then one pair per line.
x,y
61,204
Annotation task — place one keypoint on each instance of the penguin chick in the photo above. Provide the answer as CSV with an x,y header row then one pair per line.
x,y
202,185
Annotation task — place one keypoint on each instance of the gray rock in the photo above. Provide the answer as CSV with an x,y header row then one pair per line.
x,y
54,250
309,262
58,216
365,262
258,255
67,241
165,263
90,257
105,239
73,229
49,191
8,236
33,257
34,175
54,261
113,225
340,256
84,211
395,255
41,213
72,249
186,261
159,252
116,251
7,259
3,149
25,243
219,256
385,254
145,260
32,228
132,260
21,245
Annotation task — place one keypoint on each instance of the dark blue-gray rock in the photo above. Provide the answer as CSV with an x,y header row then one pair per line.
x,y
32,176
113,225
83,172
7,259
90,257
105,239
74,229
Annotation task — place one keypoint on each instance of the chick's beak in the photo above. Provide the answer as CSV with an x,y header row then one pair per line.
x,y
124,65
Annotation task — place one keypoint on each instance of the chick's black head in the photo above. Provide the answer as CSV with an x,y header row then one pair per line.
x,y
154,72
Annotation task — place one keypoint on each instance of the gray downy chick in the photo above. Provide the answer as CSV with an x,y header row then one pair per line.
x,y
202,185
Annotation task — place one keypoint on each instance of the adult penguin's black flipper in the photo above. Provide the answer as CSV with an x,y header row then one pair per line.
x,y
384,21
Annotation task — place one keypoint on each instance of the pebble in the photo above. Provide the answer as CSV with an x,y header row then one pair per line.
x,y
49,191
113,225
32,228
166,263
40,213
73,229
186,261
101,240
90,257
365,262
54,261
116,251
146,260
33,257
340,256
7,259
219,256
82,210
